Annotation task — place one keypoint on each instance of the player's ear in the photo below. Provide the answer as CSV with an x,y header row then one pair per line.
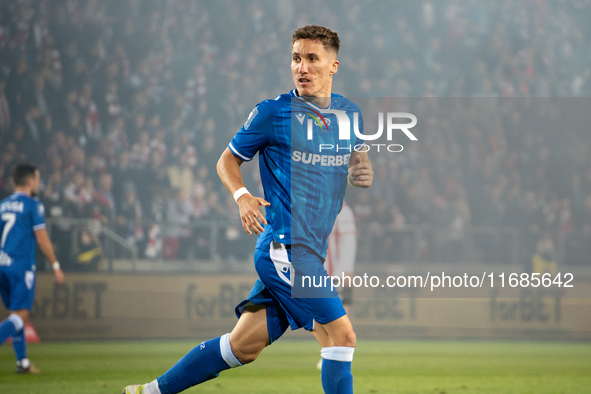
x,y
334,67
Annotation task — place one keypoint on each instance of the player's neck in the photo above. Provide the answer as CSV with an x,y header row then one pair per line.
x,y
24,190
321,98
321,102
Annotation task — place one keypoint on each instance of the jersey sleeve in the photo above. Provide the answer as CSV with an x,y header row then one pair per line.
x,y
38,213
254,134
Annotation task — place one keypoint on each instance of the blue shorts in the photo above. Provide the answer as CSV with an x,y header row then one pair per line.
x,y
17,287
273,289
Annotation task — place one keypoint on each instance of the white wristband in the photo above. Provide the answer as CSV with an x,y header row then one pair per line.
x,y
55,266
239,193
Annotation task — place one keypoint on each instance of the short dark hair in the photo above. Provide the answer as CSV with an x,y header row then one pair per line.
x,y
22,172
329,38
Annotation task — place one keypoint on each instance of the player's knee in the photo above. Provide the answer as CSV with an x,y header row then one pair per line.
x,y
23,314
350,339
345,338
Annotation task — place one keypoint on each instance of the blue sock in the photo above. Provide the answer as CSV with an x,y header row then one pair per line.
x,y
10,326
19,344
202,363
336,375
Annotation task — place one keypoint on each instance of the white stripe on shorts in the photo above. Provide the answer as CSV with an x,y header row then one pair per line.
x,y
280,259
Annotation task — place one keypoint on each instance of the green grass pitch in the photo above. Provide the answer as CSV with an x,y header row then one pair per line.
x,y
289,366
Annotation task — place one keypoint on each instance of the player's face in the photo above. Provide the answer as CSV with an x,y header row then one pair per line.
x,y
312,67
35,184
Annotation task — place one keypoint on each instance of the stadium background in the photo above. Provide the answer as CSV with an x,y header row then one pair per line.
x,y
125,106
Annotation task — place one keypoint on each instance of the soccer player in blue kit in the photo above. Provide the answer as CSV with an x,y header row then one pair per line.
x,y
293,235
22,225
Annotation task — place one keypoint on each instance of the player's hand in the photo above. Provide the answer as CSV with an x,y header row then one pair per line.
x,y
59,276
360,173
250,215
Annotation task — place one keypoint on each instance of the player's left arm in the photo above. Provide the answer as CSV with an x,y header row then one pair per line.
x,y
360,170
47,248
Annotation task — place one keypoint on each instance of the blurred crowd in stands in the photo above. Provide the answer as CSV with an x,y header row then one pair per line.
x,y
125,106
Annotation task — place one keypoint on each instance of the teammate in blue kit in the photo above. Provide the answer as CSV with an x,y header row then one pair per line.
x,y
22,226
304,188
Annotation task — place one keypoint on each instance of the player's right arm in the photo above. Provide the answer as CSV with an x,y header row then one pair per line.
x,y
228,168
252,137
47,249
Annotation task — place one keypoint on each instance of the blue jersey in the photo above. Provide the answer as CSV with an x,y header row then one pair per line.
x,y
20,216
304,161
